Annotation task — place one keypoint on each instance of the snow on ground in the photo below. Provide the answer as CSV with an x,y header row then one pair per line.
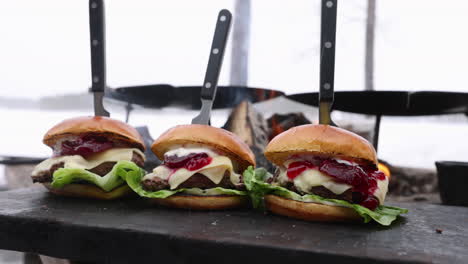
x,y
11,257
2,177
403,141
418,144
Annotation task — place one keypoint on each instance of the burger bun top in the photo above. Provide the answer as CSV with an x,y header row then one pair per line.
x,y
321,140
98,125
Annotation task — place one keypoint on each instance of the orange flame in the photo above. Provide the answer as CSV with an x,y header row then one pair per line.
x,y
275,128
383,168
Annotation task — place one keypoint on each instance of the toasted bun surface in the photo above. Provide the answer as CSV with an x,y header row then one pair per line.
x,y
310,211
217,138
203,202
321,140
90,191
100,125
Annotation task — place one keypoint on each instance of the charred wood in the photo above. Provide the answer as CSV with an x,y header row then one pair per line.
x,y
250,126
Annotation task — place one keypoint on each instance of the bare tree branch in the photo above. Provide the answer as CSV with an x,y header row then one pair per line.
x,y
369,50
240,43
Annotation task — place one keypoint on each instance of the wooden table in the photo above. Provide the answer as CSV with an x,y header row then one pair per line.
x,y
134,231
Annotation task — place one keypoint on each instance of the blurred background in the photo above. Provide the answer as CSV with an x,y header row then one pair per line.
x,y
382,45
414,46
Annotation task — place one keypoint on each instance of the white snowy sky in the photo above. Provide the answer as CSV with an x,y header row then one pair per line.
x,y
420,45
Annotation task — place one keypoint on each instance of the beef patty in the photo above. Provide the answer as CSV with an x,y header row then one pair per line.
x,y
197,180
101,170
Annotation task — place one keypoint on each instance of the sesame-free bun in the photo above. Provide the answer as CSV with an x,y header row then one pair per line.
x,y
89,191
310,211
223,140
321,140
193,202
99,125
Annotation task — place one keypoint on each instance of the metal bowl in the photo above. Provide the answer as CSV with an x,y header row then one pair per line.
x,y
453,182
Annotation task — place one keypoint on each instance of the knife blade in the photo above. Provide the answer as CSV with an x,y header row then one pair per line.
x,y
98,55
215,61
327,60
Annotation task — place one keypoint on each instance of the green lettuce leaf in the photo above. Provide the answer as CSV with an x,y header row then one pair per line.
x,y
127,171
108,182
255,181
133,180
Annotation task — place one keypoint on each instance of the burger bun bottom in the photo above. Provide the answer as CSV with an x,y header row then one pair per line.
x,y
310,211
89,191
193,202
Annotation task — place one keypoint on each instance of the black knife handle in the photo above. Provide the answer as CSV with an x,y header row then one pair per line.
x,y
210,84
327,50
98,45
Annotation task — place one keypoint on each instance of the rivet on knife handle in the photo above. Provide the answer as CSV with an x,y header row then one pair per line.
x,y
215,61
327,59
98,54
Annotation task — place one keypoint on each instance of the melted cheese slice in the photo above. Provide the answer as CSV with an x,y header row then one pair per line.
x,y
186,149
382,188
214,171
78,162
312,178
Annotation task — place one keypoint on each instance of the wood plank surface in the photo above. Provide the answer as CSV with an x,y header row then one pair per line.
x,y
134,231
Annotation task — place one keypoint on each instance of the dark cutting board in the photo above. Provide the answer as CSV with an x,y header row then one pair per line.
x,y
134,231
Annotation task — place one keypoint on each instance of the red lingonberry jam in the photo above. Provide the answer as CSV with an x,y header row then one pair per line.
x,y
363,179
370,202
191,162
84,145
297,167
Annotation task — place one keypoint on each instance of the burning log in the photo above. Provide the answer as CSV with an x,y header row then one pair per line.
x,y
250,126
280,123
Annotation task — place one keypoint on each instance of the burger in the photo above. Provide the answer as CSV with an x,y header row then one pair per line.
x,y
324,173
201,170
92,156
